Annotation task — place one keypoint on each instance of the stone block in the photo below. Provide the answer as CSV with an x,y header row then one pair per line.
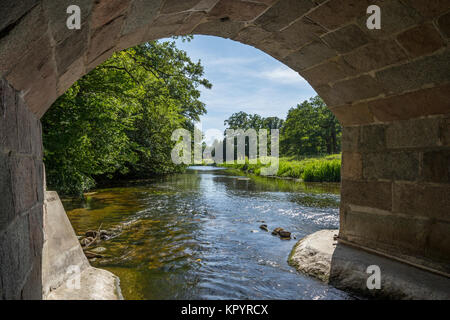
x,y
414,75
140,15
57,16
352,166
283,13
32,289
167,25
276,47
225,29
436,166
192,21
25,120
346,39
429,9
16,258
375,55
421,40
24,35
373,194
299,33
104,11
74,72
350,115
175,6
444,131
8,117
389,233
237,10
336,13
373,138
7,211
40,180
41,96
36,64
71,49
252,35
412,104
36,227
104,39
413,134
12,11
403,166
330,71
331,97
395,17
422,199
444,24
438,246
310,55
23,182
350,138
355,89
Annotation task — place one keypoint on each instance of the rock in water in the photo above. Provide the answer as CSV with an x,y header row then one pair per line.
x,y
276,231
285,234
98,250
92,255
86,241
91,233
264,227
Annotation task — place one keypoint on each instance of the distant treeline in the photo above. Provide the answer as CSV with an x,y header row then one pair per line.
x,y
310,129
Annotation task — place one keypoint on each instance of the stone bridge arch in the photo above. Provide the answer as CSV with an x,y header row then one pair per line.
x,y
389,88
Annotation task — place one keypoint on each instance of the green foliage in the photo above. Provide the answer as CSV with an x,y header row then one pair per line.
x,y
310,169
310,129
117,120
245,121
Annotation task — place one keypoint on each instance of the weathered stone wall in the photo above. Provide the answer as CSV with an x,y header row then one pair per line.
x,y
396,189
21,198
390,88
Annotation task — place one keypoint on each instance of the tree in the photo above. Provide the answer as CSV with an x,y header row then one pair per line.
x,y
117,120
310,129
244,121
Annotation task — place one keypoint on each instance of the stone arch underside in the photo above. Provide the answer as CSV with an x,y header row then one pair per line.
x,y
390,89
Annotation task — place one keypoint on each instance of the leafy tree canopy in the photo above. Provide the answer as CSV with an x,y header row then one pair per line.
x,y
118,119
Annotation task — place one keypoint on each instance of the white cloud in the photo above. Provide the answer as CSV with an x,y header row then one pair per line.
x,y
283,75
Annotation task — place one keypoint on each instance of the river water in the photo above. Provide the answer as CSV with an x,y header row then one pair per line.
x,y
196,235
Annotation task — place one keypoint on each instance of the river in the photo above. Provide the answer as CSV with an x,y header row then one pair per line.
x,y
196,235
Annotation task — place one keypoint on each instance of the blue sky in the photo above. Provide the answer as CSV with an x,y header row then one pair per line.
x,y
244,79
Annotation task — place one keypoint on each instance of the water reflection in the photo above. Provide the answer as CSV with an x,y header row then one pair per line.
x,y
197,236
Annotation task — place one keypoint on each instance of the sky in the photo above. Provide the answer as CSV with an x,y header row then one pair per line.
x,y
244,79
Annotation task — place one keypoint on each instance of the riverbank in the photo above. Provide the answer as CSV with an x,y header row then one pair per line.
x,y
310,169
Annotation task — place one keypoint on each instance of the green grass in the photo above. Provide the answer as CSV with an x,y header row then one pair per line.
x,y
309,169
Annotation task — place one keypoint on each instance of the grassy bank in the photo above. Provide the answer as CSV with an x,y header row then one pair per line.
x,y
310,169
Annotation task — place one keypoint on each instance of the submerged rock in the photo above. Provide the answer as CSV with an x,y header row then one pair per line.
x,y
276,231
86,241
104,235
91,233
284,234
92,255
98,250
